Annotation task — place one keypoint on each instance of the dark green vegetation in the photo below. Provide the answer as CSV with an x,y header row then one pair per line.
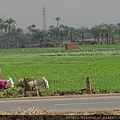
x,y
65,70
13,37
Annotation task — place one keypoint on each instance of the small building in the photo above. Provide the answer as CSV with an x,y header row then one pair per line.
x,y
72,45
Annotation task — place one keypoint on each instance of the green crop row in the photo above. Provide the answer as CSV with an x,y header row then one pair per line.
x,y
64,72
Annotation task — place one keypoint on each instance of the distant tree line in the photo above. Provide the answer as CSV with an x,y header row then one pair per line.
x,y
13,37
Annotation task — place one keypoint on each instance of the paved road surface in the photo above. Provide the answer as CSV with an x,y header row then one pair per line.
x,y
63,104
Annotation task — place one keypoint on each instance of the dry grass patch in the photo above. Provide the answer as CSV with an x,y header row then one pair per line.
x,y
38,111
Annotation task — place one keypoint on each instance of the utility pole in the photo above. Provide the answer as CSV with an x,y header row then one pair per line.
x,y
44,19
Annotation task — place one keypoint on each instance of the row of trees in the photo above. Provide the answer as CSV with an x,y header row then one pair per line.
x,y
13,37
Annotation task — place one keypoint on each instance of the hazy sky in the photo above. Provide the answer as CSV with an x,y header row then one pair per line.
x,y
73,13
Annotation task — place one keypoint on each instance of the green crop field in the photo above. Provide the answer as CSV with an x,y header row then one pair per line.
x,y
65,69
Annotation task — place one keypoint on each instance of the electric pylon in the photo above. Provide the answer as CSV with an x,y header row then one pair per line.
x,y
44,19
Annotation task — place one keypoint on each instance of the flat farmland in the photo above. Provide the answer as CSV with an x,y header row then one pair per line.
x,y
65,69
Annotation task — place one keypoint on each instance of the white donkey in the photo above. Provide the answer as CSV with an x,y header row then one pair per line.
x,y
10,83
32,84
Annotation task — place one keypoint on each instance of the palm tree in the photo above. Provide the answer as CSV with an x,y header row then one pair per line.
x,y
82,31
118,32
111,30
54,33
96,31
31,32
108,31
63,33
57,19
104,33
30,28
40,35
1,29
11,24
19,35
71,33
1,26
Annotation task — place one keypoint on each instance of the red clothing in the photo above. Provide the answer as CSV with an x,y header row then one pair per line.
x,y
2,82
